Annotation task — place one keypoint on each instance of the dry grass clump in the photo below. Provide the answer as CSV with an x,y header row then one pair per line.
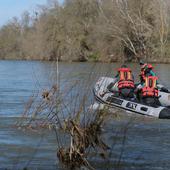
x,y
83,126
81,139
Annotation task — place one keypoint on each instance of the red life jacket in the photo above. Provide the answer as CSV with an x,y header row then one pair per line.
x,y
150,88
126,80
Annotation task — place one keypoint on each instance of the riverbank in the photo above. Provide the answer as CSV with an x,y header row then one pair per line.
x,y
160,60
78,31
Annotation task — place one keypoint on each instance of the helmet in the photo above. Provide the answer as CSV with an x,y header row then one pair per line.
x,y
149,66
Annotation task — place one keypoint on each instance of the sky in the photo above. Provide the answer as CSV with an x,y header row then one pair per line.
x,y
11,8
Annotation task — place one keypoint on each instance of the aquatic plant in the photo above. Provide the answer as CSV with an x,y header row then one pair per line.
x,y
81,138
65,110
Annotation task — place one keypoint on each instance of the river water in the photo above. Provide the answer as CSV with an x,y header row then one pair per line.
x,y
139,142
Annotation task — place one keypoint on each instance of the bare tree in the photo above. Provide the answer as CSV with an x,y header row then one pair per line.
x,y
90,30
162,24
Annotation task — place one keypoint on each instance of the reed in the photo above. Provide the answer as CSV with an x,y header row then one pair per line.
x,y
65,110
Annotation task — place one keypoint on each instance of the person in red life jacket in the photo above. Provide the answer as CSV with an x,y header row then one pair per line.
x,y
125,82
149,91
147,70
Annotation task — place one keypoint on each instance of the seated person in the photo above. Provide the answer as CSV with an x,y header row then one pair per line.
x,y
148,91
147,70
125,82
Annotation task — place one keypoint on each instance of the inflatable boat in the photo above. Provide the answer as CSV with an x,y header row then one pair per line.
x,y
111,98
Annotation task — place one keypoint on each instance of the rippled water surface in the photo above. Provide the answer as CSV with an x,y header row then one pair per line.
x,y
147,141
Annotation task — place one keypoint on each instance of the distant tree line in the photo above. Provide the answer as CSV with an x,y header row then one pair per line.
x,y
90,30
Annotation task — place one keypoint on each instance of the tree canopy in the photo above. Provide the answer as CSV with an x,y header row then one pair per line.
x,y
91,30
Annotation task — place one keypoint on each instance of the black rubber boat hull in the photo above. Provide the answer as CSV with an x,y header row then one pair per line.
x,y
165,113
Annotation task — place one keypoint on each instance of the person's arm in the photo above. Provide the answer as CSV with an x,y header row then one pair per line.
x,y
152,73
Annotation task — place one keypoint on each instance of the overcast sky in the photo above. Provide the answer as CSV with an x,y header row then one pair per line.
x,y
11,8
